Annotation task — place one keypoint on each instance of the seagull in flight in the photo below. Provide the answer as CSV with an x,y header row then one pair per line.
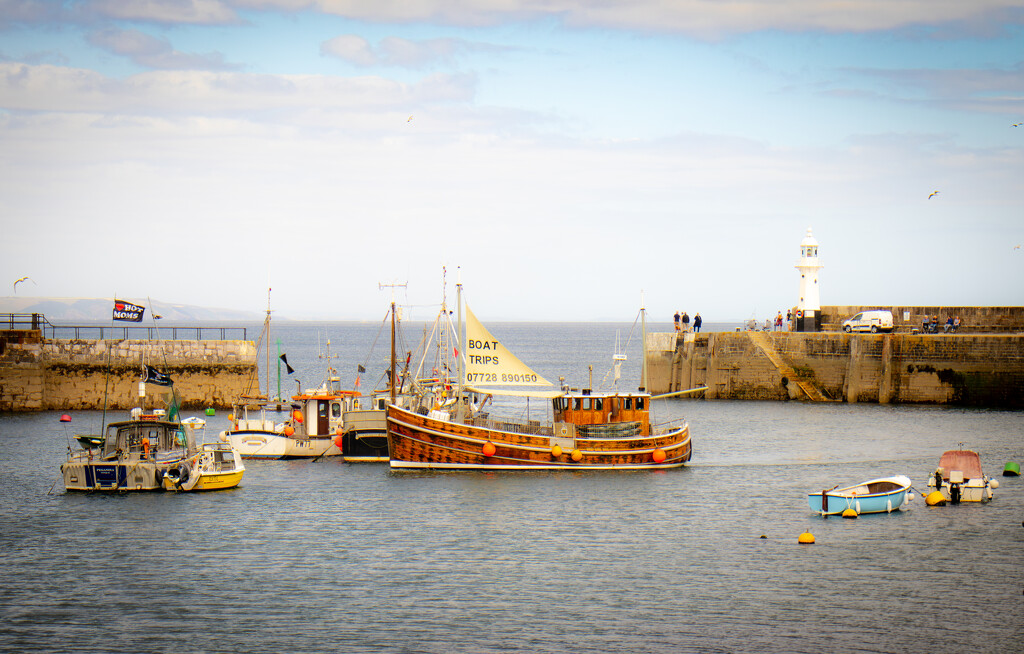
x,y
22,280
409,120
932,194
1016,124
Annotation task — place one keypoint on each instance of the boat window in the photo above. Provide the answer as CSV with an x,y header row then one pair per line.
x,y
598,404
336,409
577,403
322,410
639,404
627,403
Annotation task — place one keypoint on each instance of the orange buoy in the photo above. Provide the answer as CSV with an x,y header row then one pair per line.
x,y
577,455
489,448
658,455
289,430
556,450
338,440
806,538
297,416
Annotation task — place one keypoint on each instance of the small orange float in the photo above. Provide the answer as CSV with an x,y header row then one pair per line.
x,y
489,449
556,450
658,455
297,416
577,455
289,430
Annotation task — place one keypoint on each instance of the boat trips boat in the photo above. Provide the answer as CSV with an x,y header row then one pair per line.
x,y
959,478
883,495
216,466
134,456
589,429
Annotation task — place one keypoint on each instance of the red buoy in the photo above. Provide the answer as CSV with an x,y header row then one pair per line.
x,y
658,455
489,449
65,418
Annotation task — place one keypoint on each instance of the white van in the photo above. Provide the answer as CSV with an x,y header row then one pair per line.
x,y
869,321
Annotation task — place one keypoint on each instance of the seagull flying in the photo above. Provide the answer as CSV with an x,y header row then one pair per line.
x,y
1016,247
409,120
1016,124
22,280
932,194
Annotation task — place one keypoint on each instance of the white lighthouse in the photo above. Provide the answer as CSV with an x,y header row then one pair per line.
x,y
808,314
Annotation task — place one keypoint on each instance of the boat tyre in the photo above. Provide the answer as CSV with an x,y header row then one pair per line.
x,y
179,474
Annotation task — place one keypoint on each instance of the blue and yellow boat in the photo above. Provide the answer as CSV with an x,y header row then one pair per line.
x,y
883,495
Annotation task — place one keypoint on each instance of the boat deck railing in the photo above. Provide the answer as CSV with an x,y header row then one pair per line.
x,y
38,322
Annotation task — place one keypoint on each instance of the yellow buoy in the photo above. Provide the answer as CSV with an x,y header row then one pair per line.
x,y
556,450
806,538
849,513
576,455
935,498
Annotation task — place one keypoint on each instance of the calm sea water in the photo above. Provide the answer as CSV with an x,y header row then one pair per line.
x,y
323,556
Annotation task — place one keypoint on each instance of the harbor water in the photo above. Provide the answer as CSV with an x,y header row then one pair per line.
x,y
323,556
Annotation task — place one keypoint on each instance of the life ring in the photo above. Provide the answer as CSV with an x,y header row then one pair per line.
x,y
799,313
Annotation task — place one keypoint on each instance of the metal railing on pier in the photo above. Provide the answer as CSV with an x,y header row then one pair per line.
x,y
38,321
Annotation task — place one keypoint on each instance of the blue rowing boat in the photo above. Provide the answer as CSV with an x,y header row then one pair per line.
x,y
883,495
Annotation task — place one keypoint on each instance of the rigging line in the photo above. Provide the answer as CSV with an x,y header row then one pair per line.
x,y
376,338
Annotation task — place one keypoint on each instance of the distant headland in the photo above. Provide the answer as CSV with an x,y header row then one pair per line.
x,y
61,309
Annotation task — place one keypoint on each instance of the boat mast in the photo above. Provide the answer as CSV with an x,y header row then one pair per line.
x,y
266,326
462,341
392,351
643,354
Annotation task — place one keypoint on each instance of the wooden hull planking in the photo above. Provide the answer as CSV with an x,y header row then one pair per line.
x,y
417,441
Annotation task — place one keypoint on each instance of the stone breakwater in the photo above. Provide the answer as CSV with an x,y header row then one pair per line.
x,y
39,374
962,369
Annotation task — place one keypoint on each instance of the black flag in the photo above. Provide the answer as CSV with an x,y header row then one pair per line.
x,y
128,311
361,368
151,375
284,358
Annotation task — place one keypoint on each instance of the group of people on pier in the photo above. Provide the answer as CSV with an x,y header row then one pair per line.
x,y
931,325
682,322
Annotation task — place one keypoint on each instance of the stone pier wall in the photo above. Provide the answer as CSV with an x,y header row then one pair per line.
x,y
39,374
963,369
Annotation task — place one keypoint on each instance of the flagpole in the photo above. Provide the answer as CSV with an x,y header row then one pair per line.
x,y
279,371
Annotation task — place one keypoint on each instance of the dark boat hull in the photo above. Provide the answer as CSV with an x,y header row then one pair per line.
x,y
417,441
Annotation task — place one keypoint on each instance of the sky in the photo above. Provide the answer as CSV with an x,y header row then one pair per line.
x,y
567,160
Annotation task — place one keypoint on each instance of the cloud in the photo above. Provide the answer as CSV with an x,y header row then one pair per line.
x,y
48,88
205,12
693,17
152,52
989,90
395,51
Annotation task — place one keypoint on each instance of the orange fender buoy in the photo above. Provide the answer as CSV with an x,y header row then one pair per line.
x,y
338,441
658,455
577,455
289,430
489,449
297,416
556,451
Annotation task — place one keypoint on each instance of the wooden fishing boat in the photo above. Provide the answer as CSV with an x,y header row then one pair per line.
x,y
883,495
959,478
589,429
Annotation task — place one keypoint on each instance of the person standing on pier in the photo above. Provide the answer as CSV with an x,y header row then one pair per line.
x,y
778,322
686,322
696,322
676,319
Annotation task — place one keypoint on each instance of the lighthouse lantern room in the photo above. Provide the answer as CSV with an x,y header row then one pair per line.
x,y
808,310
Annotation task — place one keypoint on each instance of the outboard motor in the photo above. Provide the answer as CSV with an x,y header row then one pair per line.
x,y
956,478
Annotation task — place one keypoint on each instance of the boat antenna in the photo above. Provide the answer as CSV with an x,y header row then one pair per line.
x,y
461,340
